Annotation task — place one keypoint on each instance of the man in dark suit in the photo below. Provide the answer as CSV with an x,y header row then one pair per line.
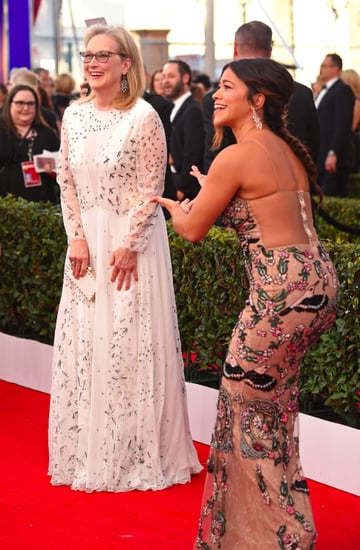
x,y
254,39
164,108
335,105
187,136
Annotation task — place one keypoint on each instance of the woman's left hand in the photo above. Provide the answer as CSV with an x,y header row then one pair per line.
x,y
125,267
171,205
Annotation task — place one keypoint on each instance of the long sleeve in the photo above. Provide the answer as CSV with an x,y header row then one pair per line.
x,y
114,161
151,152
69,197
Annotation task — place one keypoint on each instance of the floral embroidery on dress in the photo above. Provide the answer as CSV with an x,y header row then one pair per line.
x,y
254,450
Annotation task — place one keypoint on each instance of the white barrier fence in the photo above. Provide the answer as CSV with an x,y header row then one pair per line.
x,y
330,452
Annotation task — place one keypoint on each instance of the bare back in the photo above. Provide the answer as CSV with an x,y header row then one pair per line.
x,y
276,188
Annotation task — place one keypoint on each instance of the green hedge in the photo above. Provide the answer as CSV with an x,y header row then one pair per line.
x,y
347,212
33,246
210,286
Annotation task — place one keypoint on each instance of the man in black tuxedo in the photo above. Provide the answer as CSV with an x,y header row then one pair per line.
x,y
164,108
254,39
187,136
335,105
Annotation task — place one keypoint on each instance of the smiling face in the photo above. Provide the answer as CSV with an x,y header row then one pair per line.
x,y
174,84
23,114
105,77
231,104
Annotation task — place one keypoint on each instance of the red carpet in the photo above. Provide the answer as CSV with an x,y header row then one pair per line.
x,y
35,515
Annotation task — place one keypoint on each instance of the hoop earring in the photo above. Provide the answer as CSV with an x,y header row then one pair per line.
x,y
124,83
256,119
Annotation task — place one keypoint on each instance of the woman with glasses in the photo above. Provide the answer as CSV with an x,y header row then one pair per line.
x,y
118,415
23,134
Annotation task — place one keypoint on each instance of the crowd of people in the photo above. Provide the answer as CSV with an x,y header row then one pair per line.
x,y
183,99
247,152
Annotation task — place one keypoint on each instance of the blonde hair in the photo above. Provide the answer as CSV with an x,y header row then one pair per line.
x,y
135,75
22,75
64,84
352,78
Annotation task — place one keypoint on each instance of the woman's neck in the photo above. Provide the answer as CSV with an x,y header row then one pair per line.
x,y
23,129
241,132
103,102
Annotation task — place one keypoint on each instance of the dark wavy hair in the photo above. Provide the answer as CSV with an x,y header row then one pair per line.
x,y
7,121
274,81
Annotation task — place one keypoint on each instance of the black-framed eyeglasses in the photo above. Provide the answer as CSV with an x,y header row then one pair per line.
x,y
101,57
22,104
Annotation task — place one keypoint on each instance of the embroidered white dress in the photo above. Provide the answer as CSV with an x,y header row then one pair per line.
x,y
118,413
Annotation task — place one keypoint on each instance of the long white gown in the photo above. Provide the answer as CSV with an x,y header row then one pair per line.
x,y
118,413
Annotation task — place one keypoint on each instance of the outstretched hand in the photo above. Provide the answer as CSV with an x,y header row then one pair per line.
x,y
171,205
198,175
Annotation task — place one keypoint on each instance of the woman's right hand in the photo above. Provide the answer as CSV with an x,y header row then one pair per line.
x,y
79,257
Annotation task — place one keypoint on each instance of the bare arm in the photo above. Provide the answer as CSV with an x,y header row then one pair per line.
x,y
222,183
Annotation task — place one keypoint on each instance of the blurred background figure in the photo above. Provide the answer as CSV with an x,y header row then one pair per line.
x,y
187,136
24,76
46,81
200,85
64,92
317,86
23,134
198,91
352,79
335,107
156,82
3,94
202,78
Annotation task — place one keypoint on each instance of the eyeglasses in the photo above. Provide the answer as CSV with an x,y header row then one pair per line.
x,y
101,57
21,104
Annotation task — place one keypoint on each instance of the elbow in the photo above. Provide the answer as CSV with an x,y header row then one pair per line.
x,y
193,235
188,233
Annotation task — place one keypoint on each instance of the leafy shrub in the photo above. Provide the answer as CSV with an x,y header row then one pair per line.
x,y
33,246
210,287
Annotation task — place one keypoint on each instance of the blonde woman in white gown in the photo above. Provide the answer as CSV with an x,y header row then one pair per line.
x,y
118,414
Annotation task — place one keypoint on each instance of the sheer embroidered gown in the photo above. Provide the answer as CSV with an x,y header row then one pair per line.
x,y
118,415
255,495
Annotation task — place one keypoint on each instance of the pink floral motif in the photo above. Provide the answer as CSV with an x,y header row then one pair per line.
x,y
292,348
284,254
302,285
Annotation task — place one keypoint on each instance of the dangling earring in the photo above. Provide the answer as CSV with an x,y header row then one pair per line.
x,y
124,83
256,119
